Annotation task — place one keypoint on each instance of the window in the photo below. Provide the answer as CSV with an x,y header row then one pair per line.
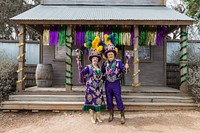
x,y
144,53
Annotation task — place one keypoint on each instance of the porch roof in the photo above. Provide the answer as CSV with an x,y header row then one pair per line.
x,y
68,14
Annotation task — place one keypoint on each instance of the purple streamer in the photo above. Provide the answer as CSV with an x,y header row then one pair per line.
x,y
108,30
160,35
80,35
53,41
132,36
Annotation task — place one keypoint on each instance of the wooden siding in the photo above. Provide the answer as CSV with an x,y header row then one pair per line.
x,y
58,66
106,2
152,73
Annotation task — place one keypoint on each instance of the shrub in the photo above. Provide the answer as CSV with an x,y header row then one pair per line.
x,y
7,75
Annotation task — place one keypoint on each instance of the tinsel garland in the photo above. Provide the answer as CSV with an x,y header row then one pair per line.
x,y
160,35
46,35
132,36
108,29
53,41
183,58
80,35
62,35
116,30
89,33
152,38
143,37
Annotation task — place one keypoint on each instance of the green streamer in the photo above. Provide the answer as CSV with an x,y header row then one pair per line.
x,y
62,35
143,39
89,35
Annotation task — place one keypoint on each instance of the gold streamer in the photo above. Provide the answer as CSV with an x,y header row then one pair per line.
x,y
135,74
136,85
137,60
20,33
21,55
46,35
21,44
151,38
136,49
19,81
21,69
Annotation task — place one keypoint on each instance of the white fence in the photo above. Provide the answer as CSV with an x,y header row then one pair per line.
x,y
32,50
11,49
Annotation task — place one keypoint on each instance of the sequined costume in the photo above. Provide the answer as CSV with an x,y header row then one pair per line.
x,y
94,93
113,71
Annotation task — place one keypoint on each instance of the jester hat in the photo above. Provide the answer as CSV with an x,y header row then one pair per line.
x,y
95,48
109,41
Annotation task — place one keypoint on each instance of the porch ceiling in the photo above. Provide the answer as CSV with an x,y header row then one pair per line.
x,y
122,15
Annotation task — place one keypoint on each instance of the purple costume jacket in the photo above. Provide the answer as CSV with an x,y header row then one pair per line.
x,y
94,93
112,72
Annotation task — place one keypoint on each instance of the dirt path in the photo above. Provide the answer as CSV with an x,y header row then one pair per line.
x,y
78,122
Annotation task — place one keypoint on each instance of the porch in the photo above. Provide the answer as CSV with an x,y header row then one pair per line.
x,y
57,99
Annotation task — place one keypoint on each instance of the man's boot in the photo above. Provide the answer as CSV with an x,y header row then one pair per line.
x,y
111,115
98,117
122,117
92,116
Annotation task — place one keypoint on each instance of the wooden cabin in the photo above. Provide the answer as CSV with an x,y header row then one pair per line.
x,y
147,72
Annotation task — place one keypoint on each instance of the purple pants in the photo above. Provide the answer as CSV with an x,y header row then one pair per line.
x,y
113,89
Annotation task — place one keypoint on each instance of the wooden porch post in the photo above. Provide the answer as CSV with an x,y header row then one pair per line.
x,y
136,69
21,59
68,74
183,59
41,49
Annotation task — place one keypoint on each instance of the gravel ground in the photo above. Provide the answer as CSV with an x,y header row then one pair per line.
x,y
79,122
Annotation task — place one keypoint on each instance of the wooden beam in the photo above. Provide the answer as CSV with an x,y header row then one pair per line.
x,y
107,22
21,59
37,28
183,61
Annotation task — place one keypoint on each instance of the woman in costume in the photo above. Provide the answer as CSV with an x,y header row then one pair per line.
x,y
113,69
94,100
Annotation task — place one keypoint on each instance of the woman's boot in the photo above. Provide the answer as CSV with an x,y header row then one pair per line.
x,y
92,116
98,117
111,115
122,117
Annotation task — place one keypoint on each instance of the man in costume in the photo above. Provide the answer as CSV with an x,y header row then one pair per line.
x,y
94,100
113,69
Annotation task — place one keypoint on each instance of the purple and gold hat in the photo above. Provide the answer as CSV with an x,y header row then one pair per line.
x,y
109,46
95,48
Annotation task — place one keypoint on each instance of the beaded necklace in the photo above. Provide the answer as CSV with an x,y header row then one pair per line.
x,y
110,67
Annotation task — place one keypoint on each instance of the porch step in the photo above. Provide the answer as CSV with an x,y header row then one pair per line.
x,y
80,98
130,106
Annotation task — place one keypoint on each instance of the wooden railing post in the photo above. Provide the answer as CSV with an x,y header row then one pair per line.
x,y
21,59
183,59
136,69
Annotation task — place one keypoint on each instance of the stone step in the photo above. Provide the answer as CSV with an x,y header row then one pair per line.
x,y
46,105
76,98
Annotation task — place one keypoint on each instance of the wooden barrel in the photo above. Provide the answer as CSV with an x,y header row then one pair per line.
x,y
44,75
